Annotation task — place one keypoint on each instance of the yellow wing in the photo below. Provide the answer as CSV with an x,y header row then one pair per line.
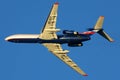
x,y
62,54
49,30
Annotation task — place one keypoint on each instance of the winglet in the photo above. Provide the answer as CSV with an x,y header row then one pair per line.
x,y
85,75
56,3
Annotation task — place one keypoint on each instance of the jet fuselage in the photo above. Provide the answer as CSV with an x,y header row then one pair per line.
x,y
62,39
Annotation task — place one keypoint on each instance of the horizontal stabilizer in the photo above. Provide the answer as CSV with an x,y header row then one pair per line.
x,y
105,35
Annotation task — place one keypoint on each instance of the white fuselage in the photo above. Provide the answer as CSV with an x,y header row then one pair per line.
x,y
22,36
32,38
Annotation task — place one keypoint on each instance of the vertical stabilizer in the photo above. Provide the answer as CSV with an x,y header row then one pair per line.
x,y
99,23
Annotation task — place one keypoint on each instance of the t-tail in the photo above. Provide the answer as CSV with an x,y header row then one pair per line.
x,y
98,29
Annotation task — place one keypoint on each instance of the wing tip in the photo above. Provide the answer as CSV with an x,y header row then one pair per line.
x,y
56,3
102,16
85,75
112,41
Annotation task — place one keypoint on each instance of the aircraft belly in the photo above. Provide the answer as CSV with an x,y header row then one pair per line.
x,y
25,40
62,41
54,41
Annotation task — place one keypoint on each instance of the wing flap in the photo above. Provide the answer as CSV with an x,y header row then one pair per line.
x,y
52,30
53,47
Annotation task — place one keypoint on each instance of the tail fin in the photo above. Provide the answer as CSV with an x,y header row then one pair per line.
x,y
98,28
99,23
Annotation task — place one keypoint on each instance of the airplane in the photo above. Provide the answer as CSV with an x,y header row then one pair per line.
x,y
53,42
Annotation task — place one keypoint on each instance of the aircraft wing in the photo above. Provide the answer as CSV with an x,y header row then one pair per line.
x,y
62,54
49,30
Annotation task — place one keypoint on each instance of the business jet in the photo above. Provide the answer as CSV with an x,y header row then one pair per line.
x,y
53,42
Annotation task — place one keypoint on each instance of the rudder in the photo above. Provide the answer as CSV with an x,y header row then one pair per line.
x,y
99,23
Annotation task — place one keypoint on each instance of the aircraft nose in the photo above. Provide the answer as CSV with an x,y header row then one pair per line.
x,y
7,38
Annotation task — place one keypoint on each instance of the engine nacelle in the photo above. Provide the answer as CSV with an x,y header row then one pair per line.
x,y
75,45
69,32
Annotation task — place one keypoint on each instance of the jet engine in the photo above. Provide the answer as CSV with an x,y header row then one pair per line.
x,y
75,45
69,32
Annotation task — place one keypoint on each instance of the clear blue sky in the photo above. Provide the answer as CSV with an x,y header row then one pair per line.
x,y
98,58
